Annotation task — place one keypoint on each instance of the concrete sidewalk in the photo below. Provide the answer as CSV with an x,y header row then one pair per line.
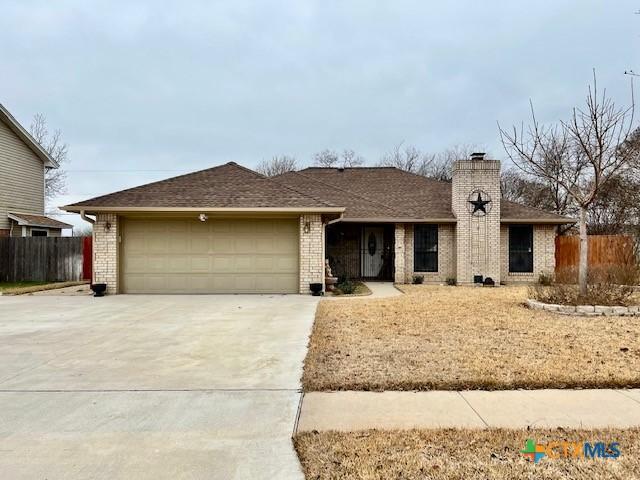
x,y
471,409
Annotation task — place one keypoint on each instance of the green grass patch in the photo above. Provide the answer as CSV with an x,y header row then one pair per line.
x,y
13,285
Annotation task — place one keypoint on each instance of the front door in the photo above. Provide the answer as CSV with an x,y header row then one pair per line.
x,y
372,251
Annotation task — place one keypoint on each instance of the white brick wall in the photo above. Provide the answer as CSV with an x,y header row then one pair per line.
x,y
544,254
105,251
311,251
399,274
477,238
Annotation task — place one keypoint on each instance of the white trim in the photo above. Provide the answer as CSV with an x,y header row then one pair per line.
x,y
89,209
538,221
398,220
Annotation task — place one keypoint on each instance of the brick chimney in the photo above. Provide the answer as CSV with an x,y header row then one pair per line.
x,y
475,201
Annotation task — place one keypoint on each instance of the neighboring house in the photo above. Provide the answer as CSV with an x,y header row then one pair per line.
x,y
22,168
229,229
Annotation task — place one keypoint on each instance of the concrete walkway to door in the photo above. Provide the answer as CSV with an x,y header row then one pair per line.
x,y
378,290
518,409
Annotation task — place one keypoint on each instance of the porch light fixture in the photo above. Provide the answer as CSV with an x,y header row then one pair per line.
x,y
307,227
107,226
203,217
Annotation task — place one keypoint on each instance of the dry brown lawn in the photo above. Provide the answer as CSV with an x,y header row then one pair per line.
x,y
459,454
456,338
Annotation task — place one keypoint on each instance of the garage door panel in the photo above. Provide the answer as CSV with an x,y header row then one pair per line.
x,y
199,264
199,243
223,243
285,264
221,256
244,245
178,244
157,263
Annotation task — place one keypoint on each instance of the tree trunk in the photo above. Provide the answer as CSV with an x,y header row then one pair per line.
x,y
583,266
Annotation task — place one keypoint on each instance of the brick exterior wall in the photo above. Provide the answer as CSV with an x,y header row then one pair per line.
x,y
105,251
399,274
446,255
311,251
477,238
4,232
544,254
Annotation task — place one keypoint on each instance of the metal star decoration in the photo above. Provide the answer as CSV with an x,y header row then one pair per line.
x,y
479,205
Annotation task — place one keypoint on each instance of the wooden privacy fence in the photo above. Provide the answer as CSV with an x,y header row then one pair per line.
x,y
45,259
603,250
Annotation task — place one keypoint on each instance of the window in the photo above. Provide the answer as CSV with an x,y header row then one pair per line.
x,y
38,233
425,248
521,248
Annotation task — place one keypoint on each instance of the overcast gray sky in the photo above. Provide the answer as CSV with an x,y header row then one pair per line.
x,y
167,87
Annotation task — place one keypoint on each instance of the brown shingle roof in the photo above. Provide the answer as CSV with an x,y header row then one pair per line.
x,y
414,196
37,220
511,211
366,193
226,186
411,195
357,206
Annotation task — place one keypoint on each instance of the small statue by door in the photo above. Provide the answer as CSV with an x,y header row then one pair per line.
x,y
329,280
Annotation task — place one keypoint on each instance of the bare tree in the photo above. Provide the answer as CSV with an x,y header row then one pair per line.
x,y
433,165
331,158
351,159
407,158
518,187
277,165
82,231
580,155
55,179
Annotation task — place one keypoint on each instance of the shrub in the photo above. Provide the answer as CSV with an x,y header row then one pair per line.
x,y
545,279
418,279
451,281
597,294
627,274
346,286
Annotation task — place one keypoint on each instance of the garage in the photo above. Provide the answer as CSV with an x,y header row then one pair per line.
x,y
174,255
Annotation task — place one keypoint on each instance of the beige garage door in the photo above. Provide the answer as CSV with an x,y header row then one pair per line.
x,y
216,256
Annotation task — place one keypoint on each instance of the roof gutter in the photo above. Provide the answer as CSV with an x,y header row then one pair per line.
x,y
563,221
80,209
398,220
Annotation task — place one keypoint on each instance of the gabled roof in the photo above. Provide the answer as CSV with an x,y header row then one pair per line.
x,y
225,187
363,194
26,137
357,206
37,220
411,196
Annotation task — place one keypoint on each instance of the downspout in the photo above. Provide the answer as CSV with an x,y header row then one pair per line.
x,y
85,218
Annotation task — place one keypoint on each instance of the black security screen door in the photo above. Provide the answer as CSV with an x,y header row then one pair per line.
x,y
521,248
425,248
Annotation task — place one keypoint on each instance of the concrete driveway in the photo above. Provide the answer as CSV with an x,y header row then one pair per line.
x,y
151,386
